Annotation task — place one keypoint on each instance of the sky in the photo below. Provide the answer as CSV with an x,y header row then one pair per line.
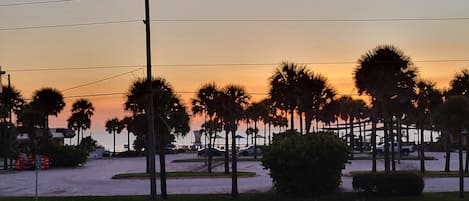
x,y
222,42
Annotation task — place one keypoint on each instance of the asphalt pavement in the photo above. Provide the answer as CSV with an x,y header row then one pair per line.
x,y
94,178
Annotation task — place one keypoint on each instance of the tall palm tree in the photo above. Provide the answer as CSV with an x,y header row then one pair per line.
x,y
255,112
82,110
128,125
205,104
78,122
48,101
315,94
285,87
427,100
386,75
171,118
453,116
351,110
459,85
12,101
234,99
113,126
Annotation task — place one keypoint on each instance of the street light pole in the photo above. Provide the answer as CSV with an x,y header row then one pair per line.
x,y
149,108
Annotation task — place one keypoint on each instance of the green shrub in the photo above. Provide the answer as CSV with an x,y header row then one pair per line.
x,y
394,183
306,164
130,154
64,156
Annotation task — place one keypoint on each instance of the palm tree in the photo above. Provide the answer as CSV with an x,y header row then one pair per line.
x,y
11,100
460,86
428,98
255,112
171,118
351,110
127,123
234,99
113,126
82,110
206,104
315,94
48,101
285,88
453,116
386,75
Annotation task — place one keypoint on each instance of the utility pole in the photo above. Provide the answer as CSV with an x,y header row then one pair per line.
x,y
149,109
9,119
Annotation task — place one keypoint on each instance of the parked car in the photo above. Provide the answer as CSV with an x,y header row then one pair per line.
x,y
405,149
249,151
212,151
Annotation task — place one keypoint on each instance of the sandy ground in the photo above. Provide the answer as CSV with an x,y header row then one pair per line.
x,y
95,178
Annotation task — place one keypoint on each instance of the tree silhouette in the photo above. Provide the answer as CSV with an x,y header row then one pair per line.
x,y
387,75
285,89
48,101
453,116
113,126
206,104
427,100
171,118
234,99
82,110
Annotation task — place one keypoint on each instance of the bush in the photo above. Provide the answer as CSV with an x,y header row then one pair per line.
x,y
306,164
64,156
394,183
130,154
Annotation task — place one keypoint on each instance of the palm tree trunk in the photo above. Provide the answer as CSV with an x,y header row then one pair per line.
x,y
407,133
399,138
162,158
461,171
269,133
466,170
387,165
209,152
301,121
128,141
234,167
422,151
431,135
292,121
351,138
227,155
255,139
361,135
393,148
448,151
114,144
373,142
78,137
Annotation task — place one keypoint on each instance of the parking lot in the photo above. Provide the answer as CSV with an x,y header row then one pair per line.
x,y
94,178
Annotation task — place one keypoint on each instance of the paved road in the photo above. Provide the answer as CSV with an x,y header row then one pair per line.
x,y
95,178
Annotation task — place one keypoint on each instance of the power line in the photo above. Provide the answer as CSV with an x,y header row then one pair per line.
x,y
241,20
69,25
101,80
33,3
177,92
316,20
32,69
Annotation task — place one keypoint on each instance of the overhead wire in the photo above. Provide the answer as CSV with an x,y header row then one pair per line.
x,y
239,20
100,80
14,69
33,3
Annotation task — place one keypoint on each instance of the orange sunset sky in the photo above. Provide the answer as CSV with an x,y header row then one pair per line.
x,y
26,53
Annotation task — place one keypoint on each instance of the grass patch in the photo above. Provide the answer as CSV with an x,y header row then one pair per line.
x,y
193,160
182,175
450,196
402,158
431,173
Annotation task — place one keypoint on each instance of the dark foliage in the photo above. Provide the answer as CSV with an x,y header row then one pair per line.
x,y
394,183
306,164
64,156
